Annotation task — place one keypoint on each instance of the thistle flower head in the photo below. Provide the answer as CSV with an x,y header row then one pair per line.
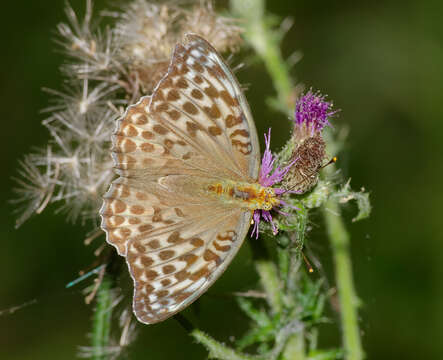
x,y
147,33
269,176
312,114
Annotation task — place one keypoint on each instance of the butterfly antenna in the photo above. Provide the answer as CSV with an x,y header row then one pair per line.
x,y
308,264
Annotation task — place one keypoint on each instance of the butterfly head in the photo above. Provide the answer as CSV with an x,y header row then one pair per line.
x,y
267,199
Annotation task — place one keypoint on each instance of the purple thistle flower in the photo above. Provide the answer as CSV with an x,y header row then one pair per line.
x,y
312,112
269,176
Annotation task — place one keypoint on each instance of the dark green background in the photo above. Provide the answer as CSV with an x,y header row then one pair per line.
x,y
381,63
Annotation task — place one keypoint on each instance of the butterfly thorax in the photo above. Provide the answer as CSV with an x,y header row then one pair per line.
x,y
252,196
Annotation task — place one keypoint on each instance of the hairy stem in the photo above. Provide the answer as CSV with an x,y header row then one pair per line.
x,y
266,43
101,326
218,350
349,302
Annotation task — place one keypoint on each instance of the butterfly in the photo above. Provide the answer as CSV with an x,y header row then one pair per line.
x,y
188,161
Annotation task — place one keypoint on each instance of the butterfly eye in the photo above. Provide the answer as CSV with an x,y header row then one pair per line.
x,y
267,206
270,192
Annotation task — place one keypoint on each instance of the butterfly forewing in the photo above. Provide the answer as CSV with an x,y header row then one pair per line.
x,y
195,130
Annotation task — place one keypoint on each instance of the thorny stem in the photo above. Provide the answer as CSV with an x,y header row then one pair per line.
x,y
102,320
266,44
348,299
218,350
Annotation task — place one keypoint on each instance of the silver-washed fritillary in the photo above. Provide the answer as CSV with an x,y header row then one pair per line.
x,y
188,159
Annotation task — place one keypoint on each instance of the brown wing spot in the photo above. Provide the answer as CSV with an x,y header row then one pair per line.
x,y
228,235
147,135
180,297
189,258
186,156
162,293
241,132
147,147
174,238
145,227
154,244
160,129
161,107
168,143
137,209
119,206
136,271
203,272
190,108
228,99
197,242
166,254
179,212
244,148
139,247
183,70
165,282
214,130
125,232
167,269
209,255
151,274
174,114
231,121
182,275
198,67
198,79
129,146
146,261
182,83
166,83
157,217
192,128
134,221
222,248
213,111
173,95
196,94
130,130
141,196
149,288
115,221
211,92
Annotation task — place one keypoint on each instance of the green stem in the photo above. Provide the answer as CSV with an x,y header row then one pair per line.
x,y
266,43
349,302
102,320
295,348
270,281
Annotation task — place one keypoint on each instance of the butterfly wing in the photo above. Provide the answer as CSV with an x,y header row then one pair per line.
x,y
194,130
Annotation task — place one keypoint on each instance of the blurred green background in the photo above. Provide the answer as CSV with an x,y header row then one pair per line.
x,y
381,63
